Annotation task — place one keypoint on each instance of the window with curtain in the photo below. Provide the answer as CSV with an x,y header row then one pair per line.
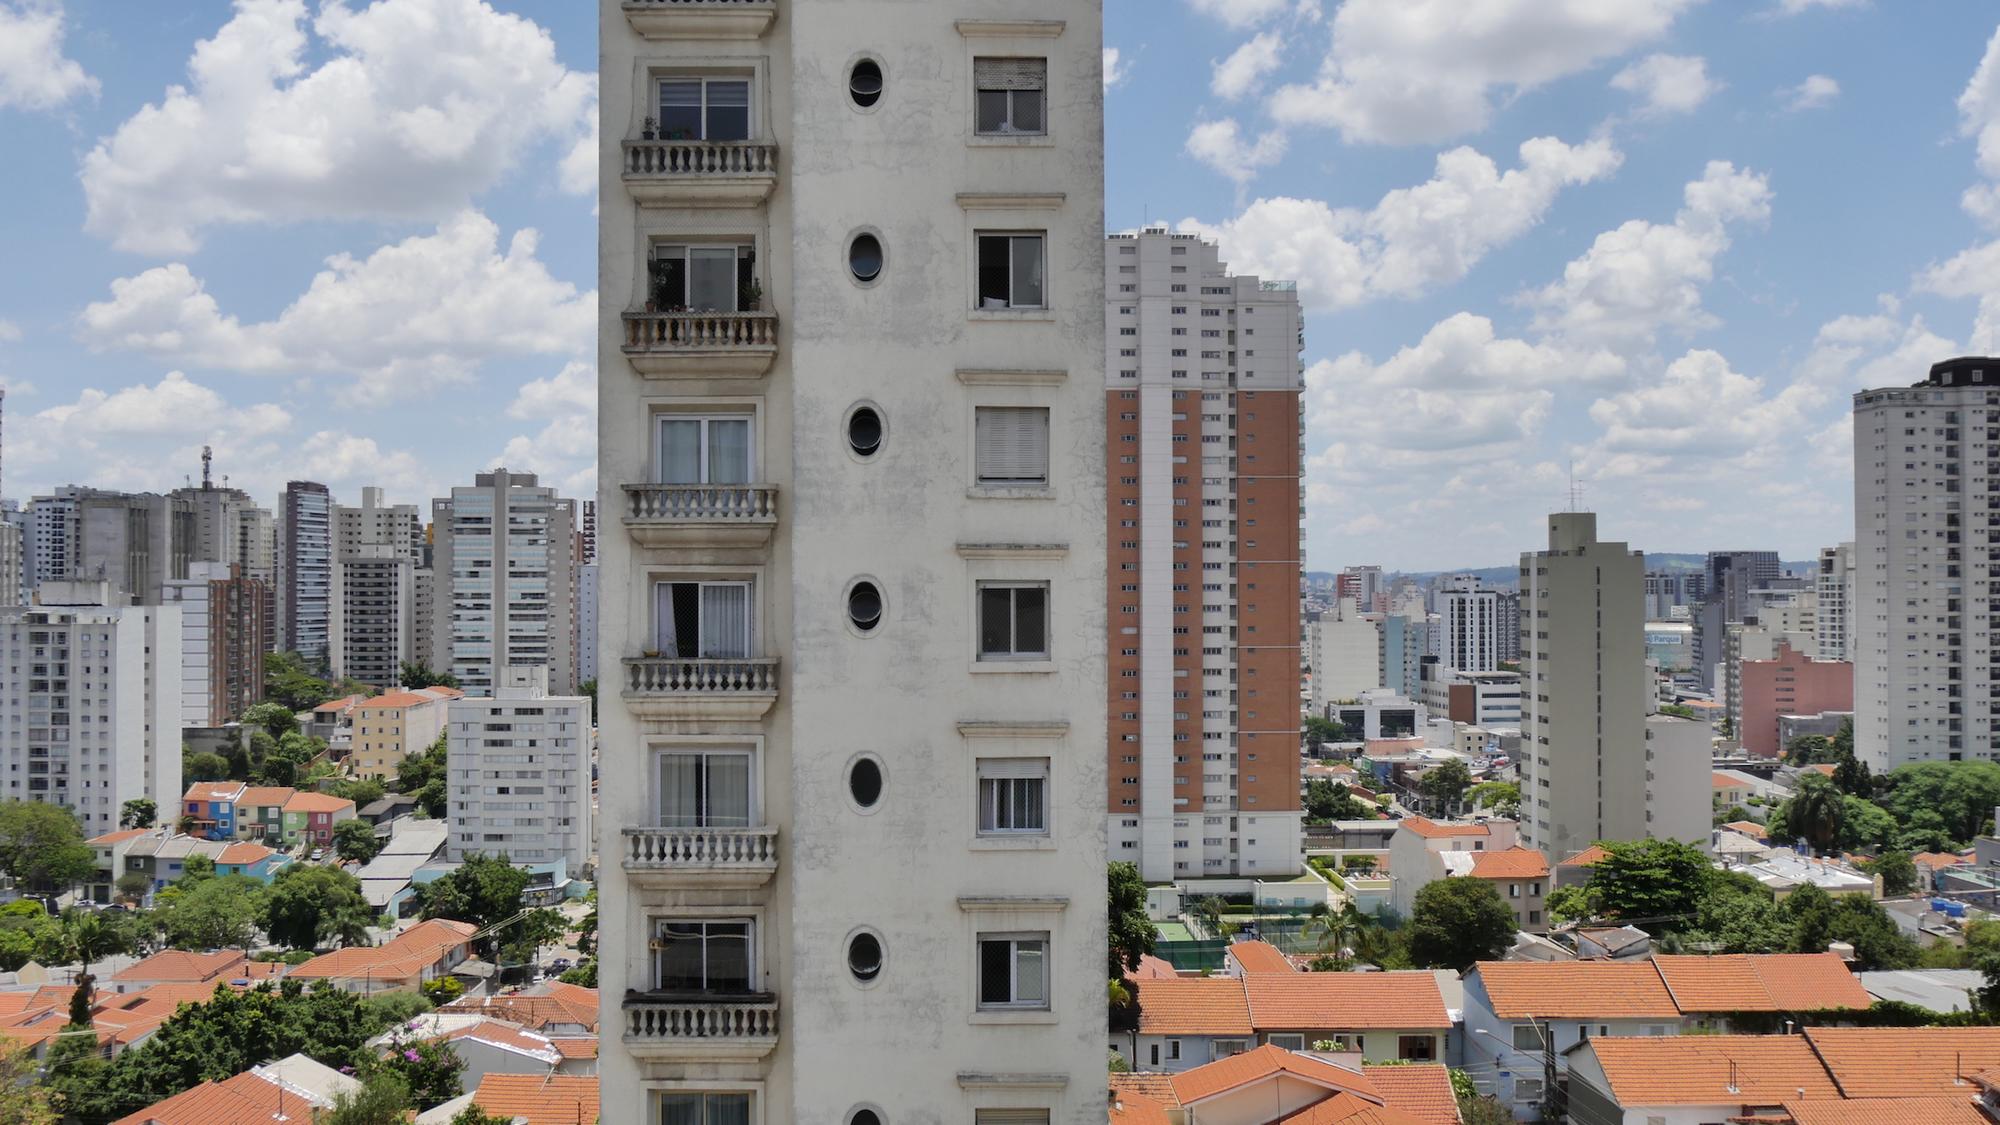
x,y
703,278
702,620
705,109
678,1108
1013,797
702,450
1013,621
710,957
1011,96
705,789
1011,446
1010,271
1013,971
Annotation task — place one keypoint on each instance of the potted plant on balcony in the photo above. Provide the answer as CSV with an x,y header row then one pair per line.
x,y
751,296
650,130
657,299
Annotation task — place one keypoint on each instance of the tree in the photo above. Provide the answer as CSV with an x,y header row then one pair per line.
x,y
416,676
1459,921
1648,879
203,767
1569,904
1478,1110
134,886
355,840
380,1101
90,938
1501,798
1678,710
309,906
1962,794
1208,911
1446,783
443,990
1132,933
195,869
473,1115
584,975
1343,935
483,890
588,689
1864,826
363,791
139,812
1816,812
21,1101
277,719
1320,731
429,1069
1330,800
1850,775
290,684
423,776
1898,872
28,933
1807,749
42,847
1862,923
214,913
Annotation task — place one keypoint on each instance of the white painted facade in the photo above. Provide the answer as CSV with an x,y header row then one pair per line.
x,y
520,773
1347,655
1834,584
191,595
1469,613
503,593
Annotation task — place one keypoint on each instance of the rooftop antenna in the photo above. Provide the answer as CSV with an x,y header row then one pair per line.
x,y
207,455
1575,489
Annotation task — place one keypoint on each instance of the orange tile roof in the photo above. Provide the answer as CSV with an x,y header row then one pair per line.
x,y
180,965
1749,828
1432,830
1259,957
1588,857
1887,1111
110,838
1576,989
1890,1062
1195,1006
1346,1109
245,853
14,1003
502,1034
1422,1090
555,1099
562,1003
341,704
1821,767
213,791
1935,860
1136,1109
246,1099
1709,1069
1345,1001
405,955
575,1046
1158,1087
1152,968
258,796
1510,863
1224,1075
1770,982
1721,782
400,700
317,802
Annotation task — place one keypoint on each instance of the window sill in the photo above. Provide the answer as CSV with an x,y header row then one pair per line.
x,y
989,667
1021,843
1042,314
978,493
1010,140
1004,1016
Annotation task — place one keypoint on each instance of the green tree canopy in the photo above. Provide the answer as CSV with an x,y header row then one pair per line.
x,y
42,847
355,840
1132,932
277,719
214,913
1648,879
1328,800
1502,798
416,676
381,1100
1816,812
483,890
203,767
291,684
1898,872
309,906
1962,794
139,812
1459,921
1446,783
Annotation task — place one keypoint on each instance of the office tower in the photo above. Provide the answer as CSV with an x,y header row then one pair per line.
x,y
374,621
1834,585
222,641
504,591
1589,768
98,717
1470,615
135,542
423,611
56,533
852,423
1731,575
13,561
1666,589
1203,377
1926,676
1347,655
586,623
520,773
305,570
586,533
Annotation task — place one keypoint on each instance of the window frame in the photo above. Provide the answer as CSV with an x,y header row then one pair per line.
x,y
753,812
656,637
1007,127
658,104
1016,940
995,410
746,259
1012,654
998,772
751,951
706,419
658,1112
1013,236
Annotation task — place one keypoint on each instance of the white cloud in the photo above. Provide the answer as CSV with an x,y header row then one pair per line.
x,y
1973,273
573,390
1242,13
1643,277
411,315
1668,83
335,457
167,407
417,106
1413,239
1816,92
1244,70
1701,409
1796,7
33,72
1115,68
1220,145
9,332
125,436
1979,116
564,451
1425,71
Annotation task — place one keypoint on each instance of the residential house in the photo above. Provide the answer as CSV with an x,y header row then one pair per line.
x,y
493,1046
1269,1086
424,952
1519,875
392,727
1417,849
553,1008
1185,1022
332,722
176,966
162,856
310,818
1928,865
530,1100
110,850
253,860
1379,1017
260,813
291,1089
1575,871
1732,787
208,809
1245,957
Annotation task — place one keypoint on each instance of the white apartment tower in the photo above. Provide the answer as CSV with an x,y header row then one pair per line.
x,y
1203,384
520,773
93,715
305,570
1470,615
505,567
1926,494
376,548
1834,583
851,424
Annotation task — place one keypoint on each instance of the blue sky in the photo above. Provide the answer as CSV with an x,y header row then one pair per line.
x,y
1658,240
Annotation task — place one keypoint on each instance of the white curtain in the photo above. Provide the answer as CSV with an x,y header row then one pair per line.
x,y
680,451
725,620
712,279
663,617
729,451
728,791
680,790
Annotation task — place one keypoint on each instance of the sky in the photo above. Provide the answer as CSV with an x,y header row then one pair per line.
x,y
1650,247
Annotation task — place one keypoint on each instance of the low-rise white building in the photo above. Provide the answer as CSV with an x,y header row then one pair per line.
x,y
520,772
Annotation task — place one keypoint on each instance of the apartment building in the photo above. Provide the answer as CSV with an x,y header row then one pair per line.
x,y
1833,587
1203,395
586,622
13,584
1470,614
305,570
504,591
851,421
1926,503
223,628
388,728
1346,655
1363,584
519,782
92,702
1789,682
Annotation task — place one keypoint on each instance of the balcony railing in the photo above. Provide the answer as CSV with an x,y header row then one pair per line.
x,y
701,515
674,688
701,19
701,173
701,343
717,857
710,1026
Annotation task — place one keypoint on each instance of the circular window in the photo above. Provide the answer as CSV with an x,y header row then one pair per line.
x,y
865,1116
864,606
864,782
864,258
864,85
864,431
864,960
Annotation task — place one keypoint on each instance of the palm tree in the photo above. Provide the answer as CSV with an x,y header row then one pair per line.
x,y
1339,933
1816,812
90,938
1208,911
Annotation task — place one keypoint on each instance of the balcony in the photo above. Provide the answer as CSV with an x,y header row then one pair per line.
x,y
665,687
701,344
729,858
701,19
701,515
659,1027
701,173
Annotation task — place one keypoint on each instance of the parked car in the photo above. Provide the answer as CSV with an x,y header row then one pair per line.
x,y
560,965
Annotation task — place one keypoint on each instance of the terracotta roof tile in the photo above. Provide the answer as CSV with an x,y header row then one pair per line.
x,y
213,791
1158,1087
1227,1074
1749,828
1433,830
1345,1001
1259,957
1576,989
245,854
1935,860
1195,1006
1887,1111
1889,1062
110,838
246,1099
1510,863
258,796
1422,1090
180,965
1152,968
555,1099
1702,1069
402,956
504,1035
575,1046
317,802
1346,1109
1137,1109
1588,857
562,1003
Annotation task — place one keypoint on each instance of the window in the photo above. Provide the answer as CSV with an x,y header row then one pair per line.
x,y
1010,271
1227,1047
1010,1117
1013,621
1527,1090
1288,1042
864,606
864,83
704,450
864,957
864,431
702,620
715,278
1012,95
864,258
705,109
864,782
702,957
1013,971
1011,446
705,789
1013,796
1527,1037
704,1109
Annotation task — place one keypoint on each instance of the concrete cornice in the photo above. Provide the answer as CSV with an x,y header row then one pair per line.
x,y
1013,550
979,377
1019,29
1012,200
989,904
1056,728
982,1080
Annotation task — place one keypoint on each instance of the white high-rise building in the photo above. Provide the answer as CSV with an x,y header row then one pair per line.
x,y
376,548
1469,614
93,691
305,570
505,574
1834,585
586,623
1926,673
1347,655
520,773
852,627
13,588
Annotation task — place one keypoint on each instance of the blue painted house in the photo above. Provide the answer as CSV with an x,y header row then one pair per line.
x,y
212,807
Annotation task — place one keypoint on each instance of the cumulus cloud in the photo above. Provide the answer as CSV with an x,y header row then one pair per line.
x,y
1816,92
1242,13
1667,84
173,405
1798,7
565,449
1643,277
1221,146
1425,71
33,72
1414,238
1979,117
1973,273
1701,409
126,435
414,107
1116,70
411,315
1244,70
9,332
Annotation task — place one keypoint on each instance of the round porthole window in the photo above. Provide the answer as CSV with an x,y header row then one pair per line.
x,y
864,258
864,960
864,606
864,782
864,431
865,1116
864,83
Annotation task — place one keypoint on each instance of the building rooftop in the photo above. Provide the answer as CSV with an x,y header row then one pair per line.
x,y
1710,1069
1437,830
1576,990
1510,863
1194,1006
1888,1062
1765,982
1259,957
1227,1074
554,1099
1346,1001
